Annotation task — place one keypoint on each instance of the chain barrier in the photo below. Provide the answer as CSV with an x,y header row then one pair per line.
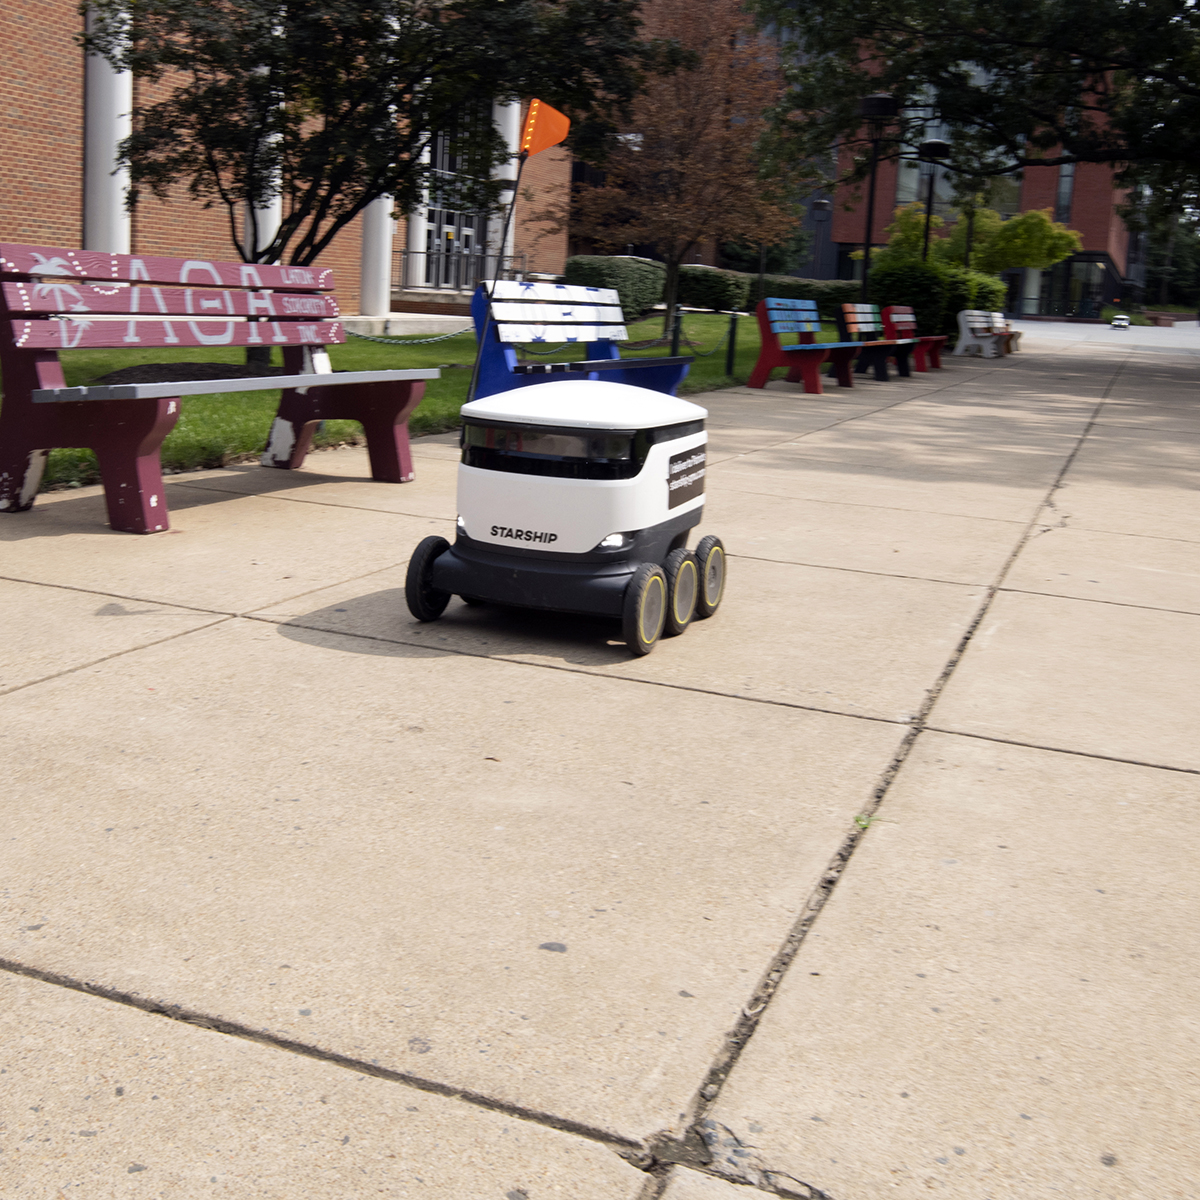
x,y
705,353
388,341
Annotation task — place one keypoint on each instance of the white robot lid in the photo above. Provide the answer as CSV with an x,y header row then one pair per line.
x,y
585,404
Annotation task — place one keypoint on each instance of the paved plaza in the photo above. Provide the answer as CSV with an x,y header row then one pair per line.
x,y
882,883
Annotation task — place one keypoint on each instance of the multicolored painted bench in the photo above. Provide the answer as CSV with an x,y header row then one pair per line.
x,y
863,324
53,300
550,313
801,359
899,321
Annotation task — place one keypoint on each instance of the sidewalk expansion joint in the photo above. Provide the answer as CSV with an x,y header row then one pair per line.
x,y
292,623
199,487
1133,762
170,637
701,1126
1183,612
175,1012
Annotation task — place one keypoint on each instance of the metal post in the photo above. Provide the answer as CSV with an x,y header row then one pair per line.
x,y
731,349
970,234
928,213
870,217
676,331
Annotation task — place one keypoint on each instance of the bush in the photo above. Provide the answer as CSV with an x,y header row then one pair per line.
x,y
705,287
828,293
969,289
913,282
638,281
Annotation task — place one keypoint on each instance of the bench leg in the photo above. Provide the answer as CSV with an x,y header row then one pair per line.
x,y
841,362
902,357
382,409
809,367
127,438
935,355
919,360
21,468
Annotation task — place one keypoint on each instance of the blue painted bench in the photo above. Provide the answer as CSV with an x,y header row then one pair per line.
x,y
553,314
802,359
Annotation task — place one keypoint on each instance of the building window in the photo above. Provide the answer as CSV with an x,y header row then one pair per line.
x,y
1066,190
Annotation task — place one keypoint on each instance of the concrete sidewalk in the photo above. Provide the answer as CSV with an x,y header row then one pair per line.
x,y
881,883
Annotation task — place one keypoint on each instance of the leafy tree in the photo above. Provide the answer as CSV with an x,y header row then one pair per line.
x,y
774,260
906,236
683,169
1033,84
333,103
1030,239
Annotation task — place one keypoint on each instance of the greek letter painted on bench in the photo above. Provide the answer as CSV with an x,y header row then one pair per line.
x,y
523,535
685,476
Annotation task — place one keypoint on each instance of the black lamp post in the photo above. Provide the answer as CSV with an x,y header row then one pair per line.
x,y
822,211
878,111
931,152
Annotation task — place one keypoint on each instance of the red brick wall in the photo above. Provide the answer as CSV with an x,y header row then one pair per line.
x,y
849,226
1092,210
41,123
547,177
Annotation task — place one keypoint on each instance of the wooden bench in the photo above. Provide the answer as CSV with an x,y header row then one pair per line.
x,y
899,321
863,322
801,359
546,314
976,333
134,302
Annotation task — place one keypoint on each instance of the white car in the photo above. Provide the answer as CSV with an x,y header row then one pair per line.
x,y
1120,321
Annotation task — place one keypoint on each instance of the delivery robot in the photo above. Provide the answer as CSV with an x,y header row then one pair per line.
x,y
578,496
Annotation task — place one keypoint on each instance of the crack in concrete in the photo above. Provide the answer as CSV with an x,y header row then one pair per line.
x,y
175,1012
740,1168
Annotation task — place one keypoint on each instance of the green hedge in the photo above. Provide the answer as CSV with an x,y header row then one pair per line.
x,y
705,287
918,284
638,281
828,293
937,293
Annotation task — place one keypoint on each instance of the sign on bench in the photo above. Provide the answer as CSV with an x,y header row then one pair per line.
x,y
551,314
53,300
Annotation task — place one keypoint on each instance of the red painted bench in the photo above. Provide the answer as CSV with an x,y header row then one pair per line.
x,y
899,321
803,358
53,300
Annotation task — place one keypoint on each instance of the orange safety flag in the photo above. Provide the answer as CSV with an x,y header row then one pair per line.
x,y
544,127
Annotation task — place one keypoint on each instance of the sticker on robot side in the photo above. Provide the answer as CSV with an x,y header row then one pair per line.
x,y
685,476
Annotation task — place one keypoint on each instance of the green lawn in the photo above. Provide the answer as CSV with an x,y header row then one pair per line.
x,y
213,430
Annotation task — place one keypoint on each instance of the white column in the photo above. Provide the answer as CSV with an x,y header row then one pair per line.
x,y
418,231
1031,291
107,107
377,230
507,118
267,220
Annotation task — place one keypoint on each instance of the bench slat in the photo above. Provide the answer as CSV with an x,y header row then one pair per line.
x,y
596,364
562,333
54,296
796,326
775,304
46,261
210,387
71,334
511,289
539,314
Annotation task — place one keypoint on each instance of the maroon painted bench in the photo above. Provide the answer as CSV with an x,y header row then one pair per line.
x,y
899,321
53,300
803,358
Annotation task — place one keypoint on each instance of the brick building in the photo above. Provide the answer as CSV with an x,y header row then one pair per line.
x,y
1109,268
64,113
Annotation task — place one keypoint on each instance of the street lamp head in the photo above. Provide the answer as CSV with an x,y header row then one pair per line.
x,y
880,107
822,206
934,151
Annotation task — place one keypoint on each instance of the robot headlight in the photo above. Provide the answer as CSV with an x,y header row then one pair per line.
x,y
616,541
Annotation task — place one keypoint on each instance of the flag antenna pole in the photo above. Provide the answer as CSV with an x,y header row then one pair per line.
x,y
544,127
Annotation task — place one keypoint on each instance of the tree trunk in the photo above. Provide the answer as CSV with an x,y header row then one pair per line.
x,y
670,291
